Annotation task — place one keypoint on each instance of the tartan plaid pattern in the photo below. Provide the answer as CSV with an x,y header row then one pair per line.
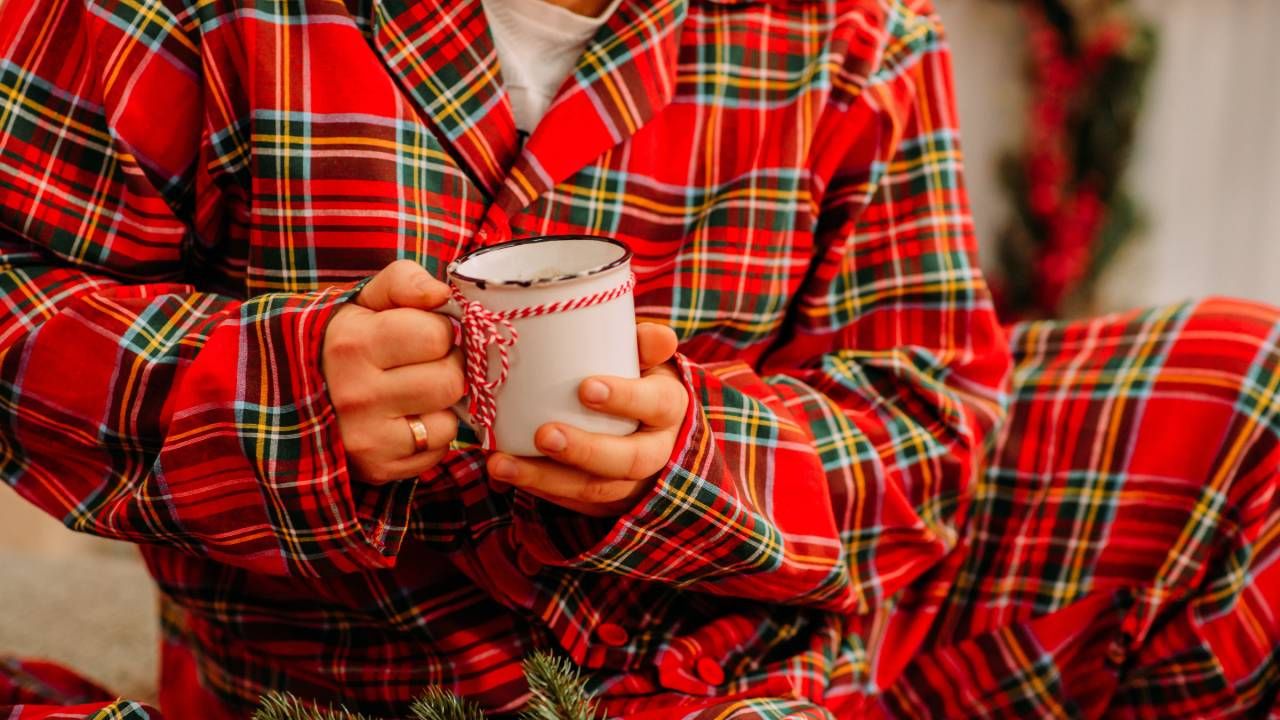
x,y
188,191
1124,543
35,690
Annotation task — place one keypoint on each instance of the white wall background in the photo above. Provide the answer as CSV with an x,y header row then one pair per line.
x,y
1207,167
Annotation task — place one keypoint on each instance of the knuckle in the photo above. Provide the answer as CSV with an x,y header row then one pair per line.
x,y
386,325
343,345
623,393
438,339
578,451
638,400
358,443
347,399
401,268
400,278
528,474
597,490
589,492
639,465
446,424
453,386
675,401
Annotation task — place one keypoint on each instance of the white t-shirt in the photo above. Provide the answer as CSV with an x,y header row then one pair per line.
x,y
538,45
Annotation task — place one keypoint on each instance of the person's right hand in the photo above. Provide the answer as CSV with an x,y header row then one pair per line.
x,y
387,359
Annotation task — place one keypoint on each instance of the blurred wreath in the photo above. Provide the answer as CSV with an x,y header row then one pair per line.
x,y
1089,61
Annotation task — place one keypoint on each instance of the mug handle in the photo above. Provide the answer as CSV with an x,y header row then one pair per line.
x,y
460,408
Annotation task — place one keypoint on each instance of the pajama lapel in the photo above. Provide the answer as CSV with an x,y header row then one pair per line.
x,y
443,56
623,79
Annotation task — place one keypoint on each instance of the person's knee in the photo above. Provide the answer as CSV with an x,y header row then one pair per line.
x,y
1243,322
1229,350
1189,393
1227,347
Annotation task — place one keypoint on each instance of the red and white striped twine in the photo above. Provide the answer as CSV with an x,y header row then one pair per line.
x,y
483,328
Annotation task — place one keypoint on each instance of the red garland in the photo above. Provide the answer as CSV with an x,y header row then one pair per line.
x,y
1063,198
1072,215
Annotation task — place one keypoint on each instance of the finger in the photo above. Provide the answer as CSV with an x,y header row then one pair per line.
x,y
561,484
403,283
441,427
636,456
600,510
404,336
656,344
658,399
424,387
404,468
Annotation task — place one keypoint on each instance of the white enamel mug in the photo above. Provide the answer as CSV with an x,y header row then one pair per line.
x,y
558,346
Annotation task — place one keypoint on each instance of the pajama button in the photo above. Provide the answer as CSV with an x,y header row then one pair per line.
x,y
669,667
529,565
612,634
1116,654
709,670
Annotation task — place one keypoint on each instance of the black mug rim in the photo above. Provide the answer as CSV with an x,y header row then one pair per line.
x,y
483,282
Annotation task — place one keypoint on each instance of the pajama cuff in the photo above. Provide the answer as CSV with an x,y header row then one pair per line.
x,y
642,542
373,519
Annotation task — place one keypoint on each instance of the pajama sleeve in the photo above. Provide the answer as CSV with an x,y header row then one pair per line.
x,y
838,468
134,403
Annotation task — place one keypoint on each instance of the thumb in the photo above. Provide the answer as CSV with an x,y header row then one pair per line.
x,y
403,284
656,344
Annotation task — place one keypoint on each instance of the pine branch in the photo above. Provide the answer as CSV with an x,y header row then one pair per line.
x,y
439,704
558,693
286,706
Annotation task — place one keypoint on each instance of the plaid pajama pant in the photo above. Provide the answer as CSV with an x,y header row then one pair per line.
x,y
1123,543
1122,547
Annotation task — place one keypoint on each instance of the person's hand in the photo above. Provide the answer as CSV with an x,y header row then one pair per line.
x,y
604,475
388,359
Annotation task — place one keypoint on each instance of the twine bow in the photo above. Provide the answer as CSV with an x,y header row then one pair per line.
x,y
482,329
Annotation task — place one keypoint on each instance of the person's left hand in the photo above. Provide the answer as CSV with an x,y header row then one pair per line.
x,y
603,475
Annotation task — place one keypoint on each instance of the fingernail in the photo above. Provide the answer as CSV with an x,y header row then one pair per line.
x,y
502,468
594,391
554,441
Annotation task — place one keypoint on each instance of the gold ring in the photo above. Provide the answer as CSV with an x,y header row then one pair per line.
x,y
420,438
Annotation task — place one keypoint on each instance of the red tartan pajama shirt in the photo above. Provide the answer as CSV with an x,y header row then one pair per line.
x,y
848,526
